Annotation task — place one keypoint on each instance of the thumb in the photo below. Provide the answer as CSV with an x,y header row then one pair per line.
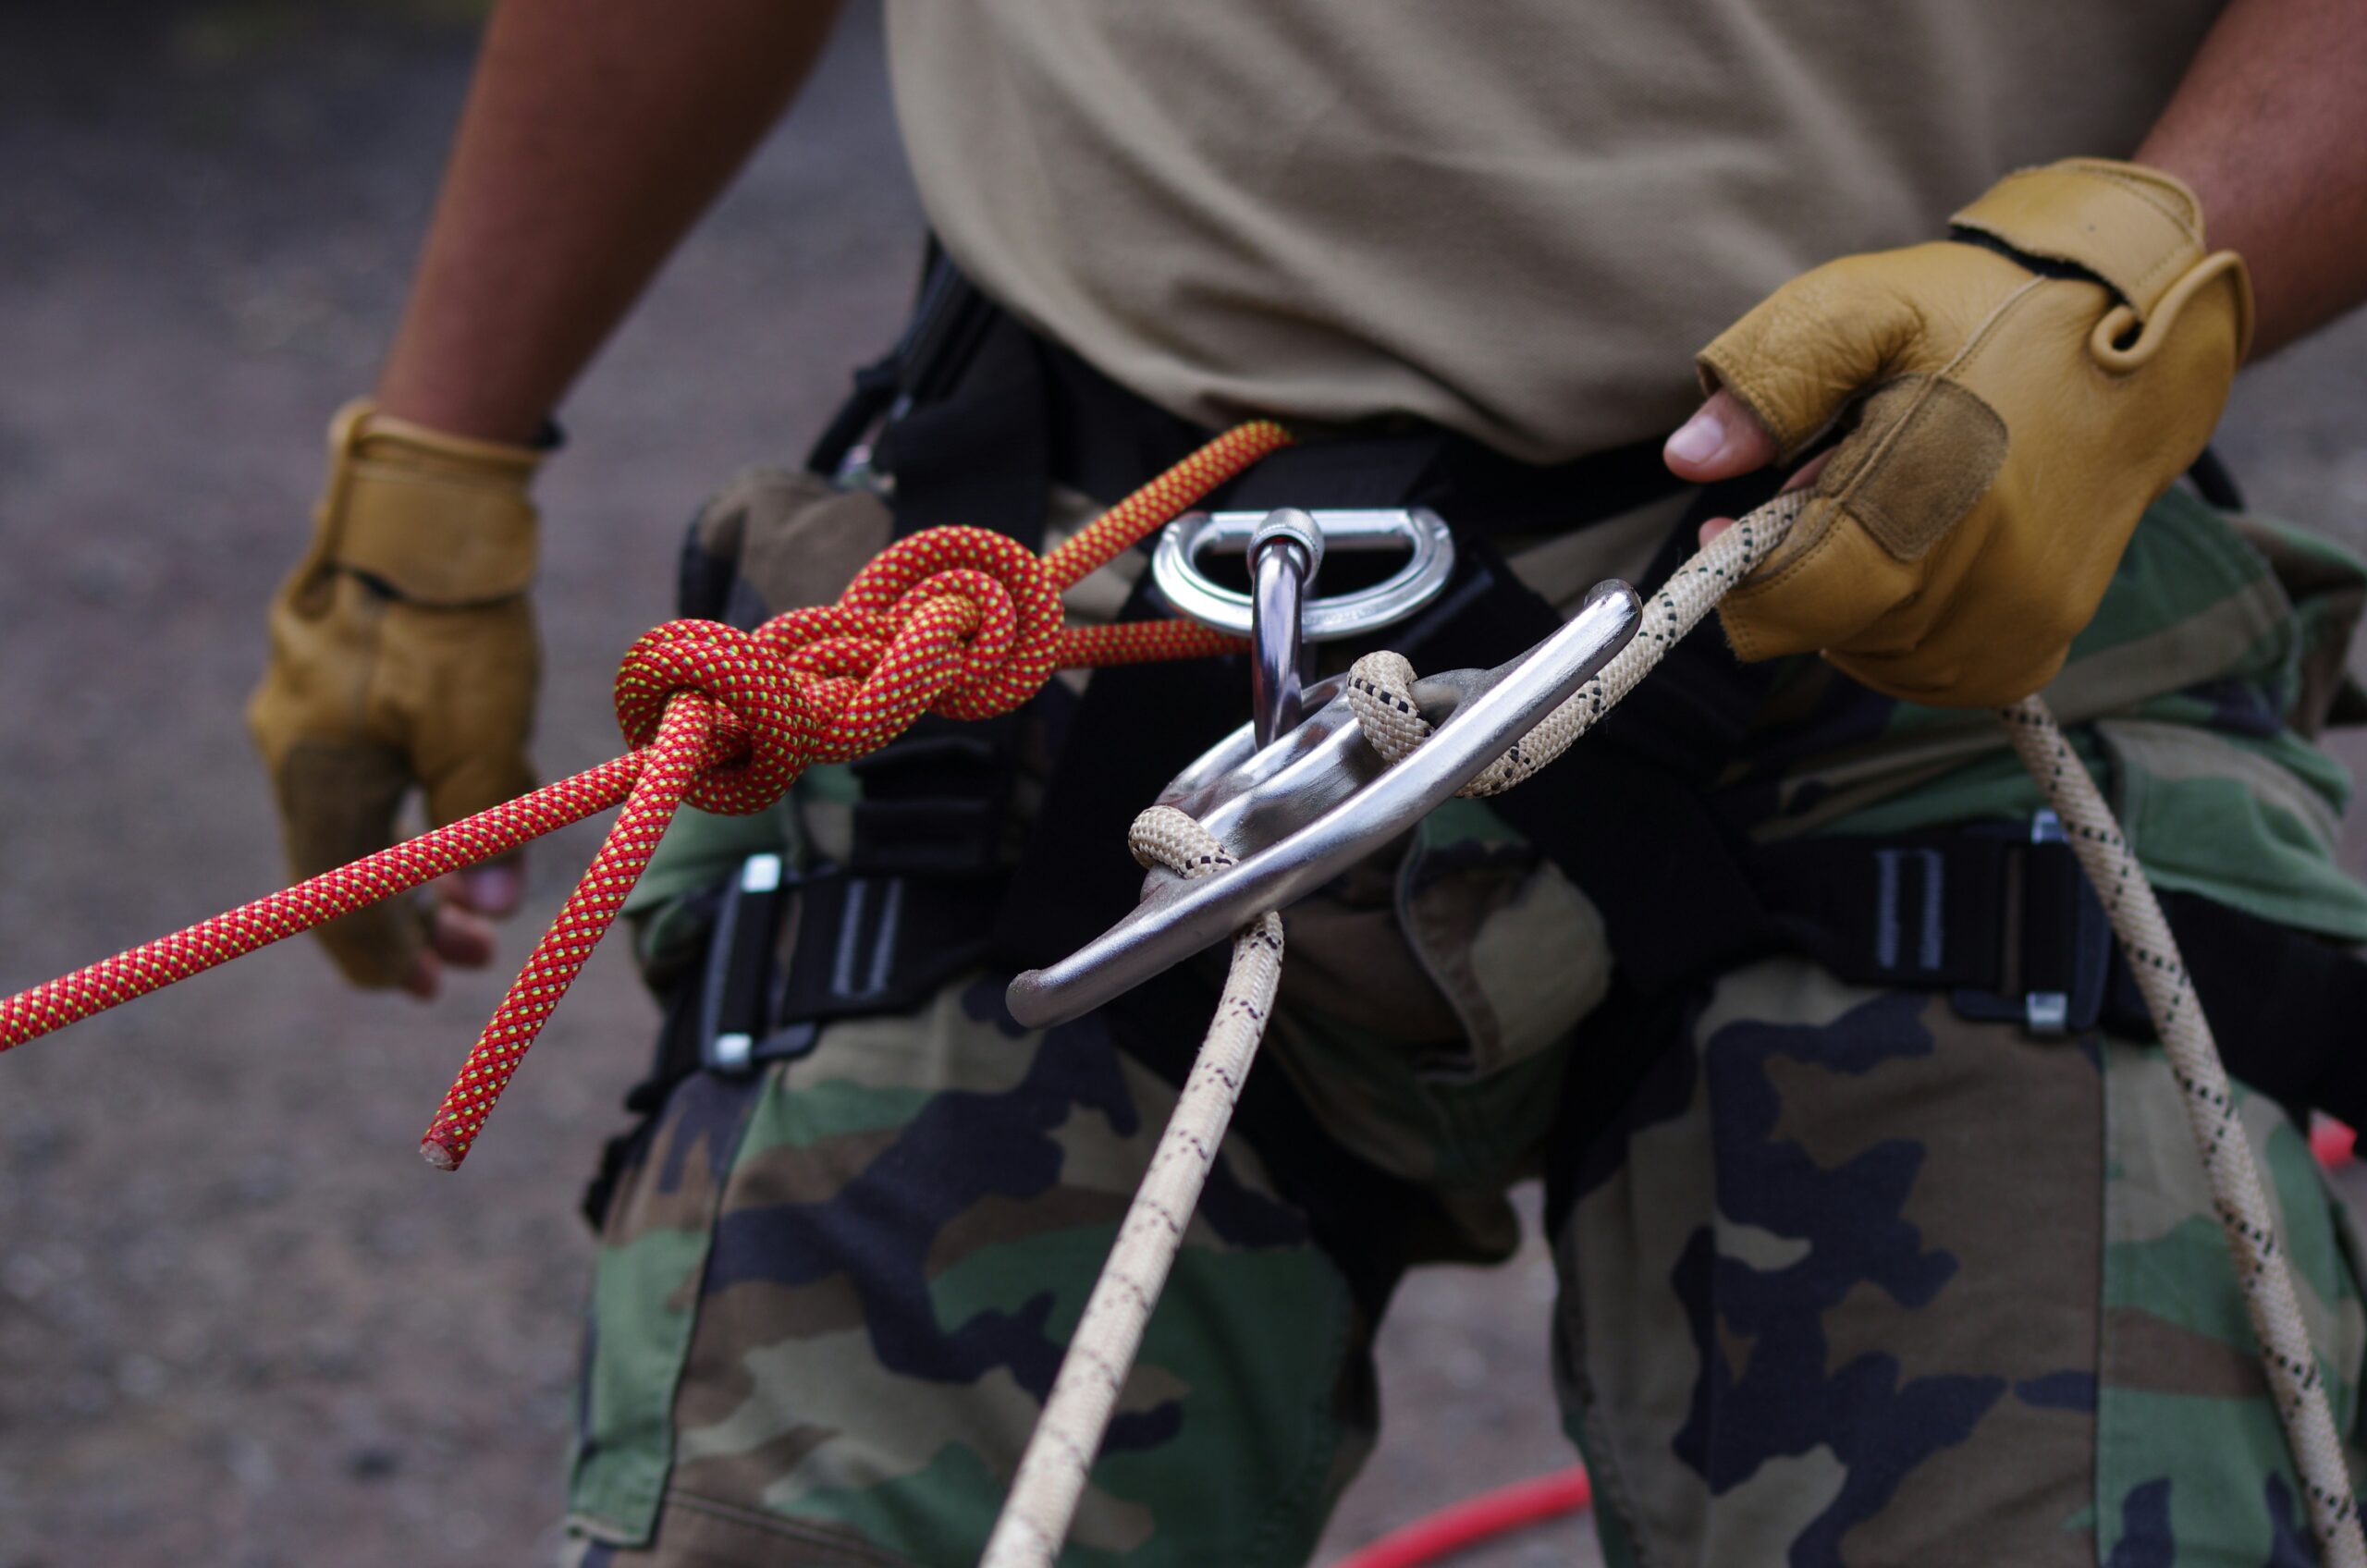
x,y
1722,440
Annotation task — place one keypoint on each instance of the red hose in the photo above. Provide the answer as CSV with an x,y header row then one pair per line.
x,y
1484,1517
2332,1142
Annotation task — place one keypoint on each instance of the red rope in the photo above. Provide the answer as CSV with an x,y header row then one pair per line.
x,y
960,621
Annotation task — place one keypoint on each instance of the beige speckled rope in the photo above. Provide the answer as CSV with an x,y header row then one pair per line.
x,y
1051,1477
1380,690
2235,1189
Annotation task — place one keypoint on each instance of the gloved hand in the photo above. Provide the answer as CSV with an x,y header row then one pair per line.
x,y
402,652
2011,401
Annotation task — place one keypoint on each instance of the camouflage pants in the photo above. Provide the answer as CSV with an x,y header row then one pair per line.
x,y
1846,1278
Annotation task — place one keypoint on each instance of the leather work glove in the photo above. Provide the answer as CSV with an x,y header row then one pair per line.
x,y
2010,400
402,652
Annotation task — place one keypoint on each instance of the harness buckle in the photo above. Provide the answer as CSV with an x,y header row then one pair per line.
x,y
739,1000
2055,947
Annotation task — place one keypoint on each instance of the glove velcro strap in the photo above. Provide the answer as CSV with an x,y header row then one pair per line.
x,y
439,519
2137,229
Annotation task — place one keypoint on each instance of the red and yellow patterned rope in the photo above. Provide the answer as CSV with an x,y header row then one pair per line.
x,y
960,621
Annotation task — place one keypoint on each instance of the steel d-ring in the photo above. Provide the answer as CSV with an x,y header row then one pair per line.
x,y
1176,570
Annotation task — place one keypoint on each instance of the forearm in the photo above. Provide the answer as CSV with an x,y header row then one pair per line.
x,y
2270,129
593,137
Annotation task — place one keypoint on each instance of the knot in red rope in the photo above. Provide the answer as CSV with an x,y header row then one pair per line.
x,y
763,734
966,622
963,621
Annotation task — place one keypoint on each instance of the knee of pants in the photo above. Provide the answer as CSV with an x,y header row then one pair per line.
x,y
1857,1281
831,1298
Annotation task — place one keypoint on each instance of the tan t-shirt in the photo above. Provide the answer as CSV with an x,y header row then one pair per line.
x,y
1518,218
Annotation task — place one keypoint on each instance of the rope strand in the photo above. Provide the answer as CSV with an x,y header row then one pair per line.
x,y
2238,1193
670,764
395,870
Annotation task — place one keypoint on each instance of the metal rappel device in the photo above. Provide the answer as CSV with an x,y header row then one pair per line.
x,y
1296,796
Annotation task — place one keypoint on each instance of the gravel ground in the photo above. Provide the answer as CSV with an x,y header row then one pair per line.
x,y
239,1323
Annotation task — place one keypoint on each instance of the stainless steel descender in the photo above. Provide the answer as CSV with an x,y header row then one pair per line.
x,y
1301,810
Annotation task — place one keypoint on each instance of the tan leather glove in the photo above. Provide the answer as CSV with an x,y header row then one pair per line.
x,y
402,652
2008,413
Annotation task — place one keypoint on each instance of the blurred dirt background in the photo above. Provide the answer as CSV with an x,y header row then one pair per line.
x,y
240,1323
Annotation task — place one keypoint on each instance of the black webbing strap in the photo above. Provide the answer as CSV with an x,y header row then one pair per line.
x,y
914,902
982,456
2287,1007
2012,931
926,360
1980,912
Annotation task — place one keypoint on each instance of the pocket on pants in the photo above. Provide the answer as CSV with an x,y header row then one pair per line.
x,y
646,1292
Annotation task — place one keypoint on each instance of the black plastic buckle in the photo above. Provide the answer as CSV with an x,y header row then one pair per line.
x,y
2057,948
740,994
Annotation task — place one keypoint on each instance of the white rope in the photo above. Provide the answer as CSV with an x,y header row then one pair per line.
x,y
1051,1477
1052,1473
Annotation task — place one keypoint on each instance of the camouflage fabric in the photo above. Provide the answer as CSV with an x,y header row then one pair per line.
x,y
1848,1279
1859,1281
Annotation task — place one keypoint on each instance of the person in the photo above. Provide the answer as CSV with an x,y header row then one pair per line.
x,y
1863,1258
